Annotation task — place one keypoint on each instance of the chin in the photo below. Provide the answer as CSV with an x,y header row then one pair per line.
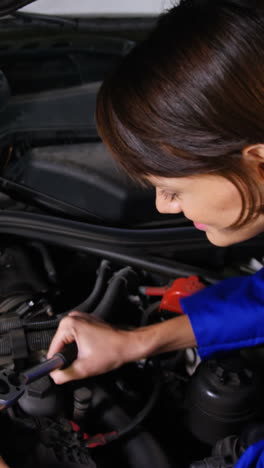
x,y
224,239
220,242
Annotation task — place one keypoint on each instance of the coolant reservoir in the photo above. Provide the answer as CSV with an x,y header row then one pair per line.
x,y
223,396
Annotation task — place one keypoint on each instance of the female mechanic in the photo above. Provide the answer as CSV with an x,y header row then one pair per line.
x,y
184,112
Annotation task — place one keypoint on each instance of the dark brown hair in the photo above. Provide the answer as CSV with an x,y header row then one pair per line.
x,y
190,98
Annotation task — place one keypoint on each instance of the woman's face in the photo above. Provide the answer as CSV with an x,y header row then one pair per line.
x,y
211,202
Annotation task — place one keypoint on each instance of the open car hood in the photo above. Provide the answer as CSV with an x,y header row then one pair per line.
x,y
9,6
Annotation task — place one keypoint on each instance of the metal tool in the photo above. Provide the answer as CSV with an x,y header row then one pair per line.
x,y
13,385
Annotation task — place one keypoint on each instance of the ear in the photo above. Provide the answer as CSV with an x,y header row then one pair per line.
x,y
255,154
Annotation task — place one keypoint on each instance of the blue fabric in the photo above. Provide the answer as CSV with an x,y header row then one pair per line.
x,y
253,457
228,315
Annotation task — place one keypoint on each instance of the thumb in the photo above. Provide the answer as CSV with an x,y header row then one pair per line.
x,y
73,372
61,377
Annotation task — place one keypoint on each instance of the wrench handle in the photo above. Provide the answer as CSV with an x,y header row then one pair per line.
x,y
60,360
68,354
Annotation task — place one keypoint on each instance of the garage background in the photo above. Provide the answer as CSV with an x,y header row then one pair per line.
x,y
100,7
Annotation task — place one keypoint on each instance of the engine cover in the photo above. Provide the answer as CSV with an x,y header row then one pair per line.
x,y
86,176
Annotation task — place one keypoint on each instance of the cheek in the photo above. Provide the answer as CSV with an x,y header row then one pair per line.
x,y
219,208
228,208
228,196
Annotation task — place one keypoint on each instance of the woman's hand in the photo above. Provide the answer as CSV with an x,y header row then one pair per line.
x,y
101,348
3,464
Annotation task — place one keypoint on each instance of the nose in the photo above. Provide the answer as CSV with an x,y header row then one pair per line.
x,y
167,206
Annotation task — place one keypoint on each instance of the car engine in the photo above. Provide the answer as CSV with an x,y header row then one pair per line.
x,y
166,409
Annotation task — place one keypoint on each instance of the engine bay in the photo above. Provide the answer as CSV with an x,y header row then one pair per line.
x,y
166,409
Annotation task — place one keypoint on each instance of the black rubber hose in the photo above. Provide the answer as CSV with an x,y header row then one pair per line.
x,y
47,261
41,325
120,245
35,342
102,26
91,302
11,323
118,285
140,450
14,323
158,265
144,412
5,345
138,419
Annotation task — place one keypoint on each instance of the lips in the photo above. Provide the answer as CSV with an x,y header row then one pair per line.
x,y
201,227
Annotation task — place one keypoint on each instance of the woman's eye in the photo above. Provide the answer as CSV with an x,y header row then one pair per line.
x,y
171,196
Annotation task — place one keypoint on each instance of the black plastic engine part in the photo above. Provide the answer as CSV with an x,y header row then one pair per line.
x,y
62,115
229,448
253,433
213,462
82,398
19,277
223,396
4,91
59,447
41,398
85,176
60,60
227,452
48,457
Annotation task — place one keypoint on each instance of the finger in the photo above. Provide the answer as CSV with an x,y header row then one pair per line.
x,y
55,346
58,342
77,315
85,316
64,335
3,464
